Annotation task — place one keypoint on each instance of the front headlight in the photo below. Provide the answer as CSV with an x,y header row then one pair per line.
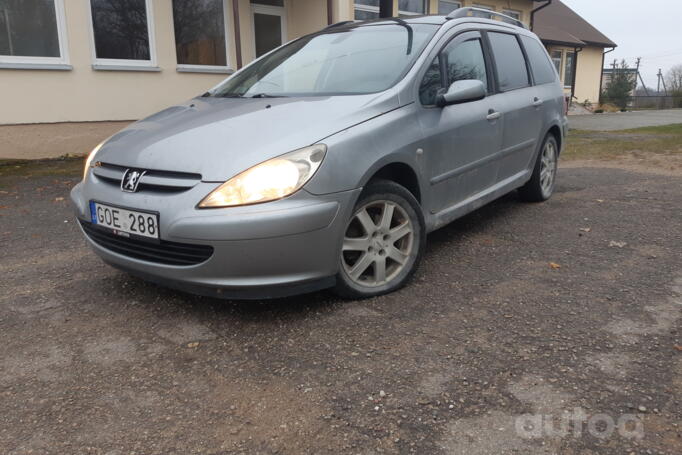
x,y
268,181
91,156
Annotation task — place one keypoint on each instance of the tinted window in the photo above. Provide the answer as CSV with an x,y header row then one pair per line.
x,y
120,28
543,70
340,62
462,61
28,28
199,32
511,65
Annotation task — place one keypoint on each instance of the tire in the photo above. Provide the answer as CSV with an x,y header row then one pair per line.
x,y
538,189
372,239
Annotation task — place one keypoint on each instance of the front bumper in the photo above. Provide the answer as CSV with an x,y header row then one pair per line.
x,y
274,249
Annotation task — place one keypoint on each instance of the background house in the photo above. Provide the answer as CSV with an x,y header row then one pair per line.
x,y
576,48
104,60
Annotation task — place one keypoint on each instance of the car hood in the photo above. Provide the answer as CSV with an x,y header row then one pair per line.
x,y
221,137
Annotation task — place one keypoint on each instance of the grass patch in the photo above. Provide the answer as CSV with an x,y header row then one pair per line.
x,y
639,142
67,166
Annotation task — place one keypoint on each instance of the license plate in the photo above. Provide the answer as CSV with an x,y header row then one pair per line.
x,y
125,222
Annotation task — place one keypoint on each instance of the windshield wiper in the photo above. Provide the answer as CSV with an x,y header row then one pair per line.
x,y
230,95
267,95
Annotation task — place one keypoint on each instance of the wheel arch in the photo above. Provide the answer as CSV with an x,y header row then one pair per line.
x,y
399,172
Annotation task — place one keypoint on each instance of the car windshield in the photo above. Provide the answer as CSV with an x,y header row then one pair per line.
x,y
351,61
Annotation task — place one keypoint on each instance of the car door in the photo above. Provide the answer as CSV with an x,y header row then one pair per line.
x,y
461,140
519,104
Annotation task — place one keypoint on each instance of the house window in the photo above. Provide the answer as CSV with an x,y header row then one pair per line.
x,y
568,69
366,9
518,15
121,30
447,6
488,7
200,32
32,32
411,7
556,59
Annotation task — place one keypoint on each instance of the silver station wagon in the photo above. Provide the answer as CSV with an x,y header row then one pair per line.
x,y
325,163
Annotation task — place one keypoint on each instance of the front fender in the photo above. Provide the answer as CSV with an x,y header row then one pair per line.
x,y
355,154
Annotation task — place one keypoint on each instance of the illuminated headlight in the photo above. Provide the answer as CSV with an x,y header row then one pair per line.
x,y
268,181
88,162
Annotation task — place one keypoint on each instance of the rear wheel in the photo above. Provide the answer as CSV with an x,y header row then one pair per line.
x,y
383,242
541,185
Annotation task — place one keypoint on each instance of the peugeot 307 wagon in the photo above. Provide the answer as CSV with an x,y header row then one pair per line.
x,y
326,162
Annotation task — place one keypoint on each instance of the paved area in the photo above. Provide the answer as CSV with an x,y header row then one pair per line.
x,y
53,140
520,314
625,120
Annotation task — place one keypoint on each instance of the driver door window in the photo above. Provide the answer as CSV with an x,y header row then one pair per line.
x,y
458,61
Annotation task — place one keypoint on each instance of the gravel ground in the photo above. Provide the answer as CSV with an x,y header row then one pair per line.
x,y
625,120
519,311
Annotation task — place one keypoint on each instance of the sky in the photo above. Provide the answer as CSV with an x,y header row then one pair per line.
x,y
651,29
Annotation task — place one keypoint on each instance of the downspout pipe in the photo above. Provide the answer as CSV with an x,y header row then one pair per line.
x,y
576,51
601,78
330,12
385,8
532,13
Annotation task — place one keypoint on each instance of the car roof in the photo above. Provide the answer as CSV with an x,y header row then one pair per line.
x,y
438,20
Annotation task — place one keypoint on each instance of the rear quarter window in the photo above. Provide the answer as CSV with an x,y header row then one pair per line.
x,y
542,67
512,72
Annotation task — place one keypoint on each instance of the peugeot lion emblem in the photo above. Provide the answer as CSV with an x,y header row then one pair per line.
x,y
131,180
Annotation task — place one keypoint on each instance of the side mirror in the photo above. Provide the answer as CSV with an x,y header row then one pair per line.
x,y
462,92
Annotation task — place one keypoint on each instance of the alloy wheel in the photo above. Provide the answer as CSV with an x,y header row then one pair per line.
x,y
377,244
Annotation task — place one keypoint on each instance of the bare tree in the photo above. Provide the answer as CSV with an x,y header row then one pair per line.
x,y
674,78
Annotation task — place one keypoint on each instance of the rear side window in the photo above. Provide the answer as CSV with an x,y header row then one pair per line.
x,y
463,60
511,65
543,69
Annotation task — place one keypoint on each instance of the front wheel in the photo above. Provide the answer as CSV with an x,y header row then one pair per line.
x,y
541,184
383,242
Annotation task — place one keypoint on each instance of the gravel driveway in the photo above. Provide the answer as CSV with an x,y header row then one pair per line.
x,y
518,310
625,120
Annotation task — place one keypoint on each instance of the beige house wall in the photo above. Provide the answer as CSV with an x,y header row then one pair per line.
x,y
84,94
588,73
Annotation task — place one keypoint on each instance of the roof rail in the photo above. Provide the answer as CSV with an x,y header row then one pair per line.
x,y
486,14
338,24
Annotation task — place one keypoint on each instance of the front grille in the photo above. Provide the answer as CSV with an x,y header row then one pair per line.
x,y
153,180
168,253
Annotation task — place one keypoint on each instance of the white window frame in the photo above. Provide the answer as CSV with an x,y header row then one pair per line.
x,y
456,3
125,64
513,12
189,68
411,13
365,8
482,6
280,11
63,59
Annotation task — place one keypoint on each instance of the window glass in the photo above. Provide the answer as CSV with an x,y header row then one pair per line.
x,y
28,28
556,59
431,84
462,61
447,6
568,70
121,30
355,61
366,10
511,65
512,13
543,71
269,2
412,6
199,32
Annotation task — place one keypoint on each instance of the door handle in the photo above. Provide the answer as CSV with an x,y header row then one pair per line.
x,y
493,115
537,102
